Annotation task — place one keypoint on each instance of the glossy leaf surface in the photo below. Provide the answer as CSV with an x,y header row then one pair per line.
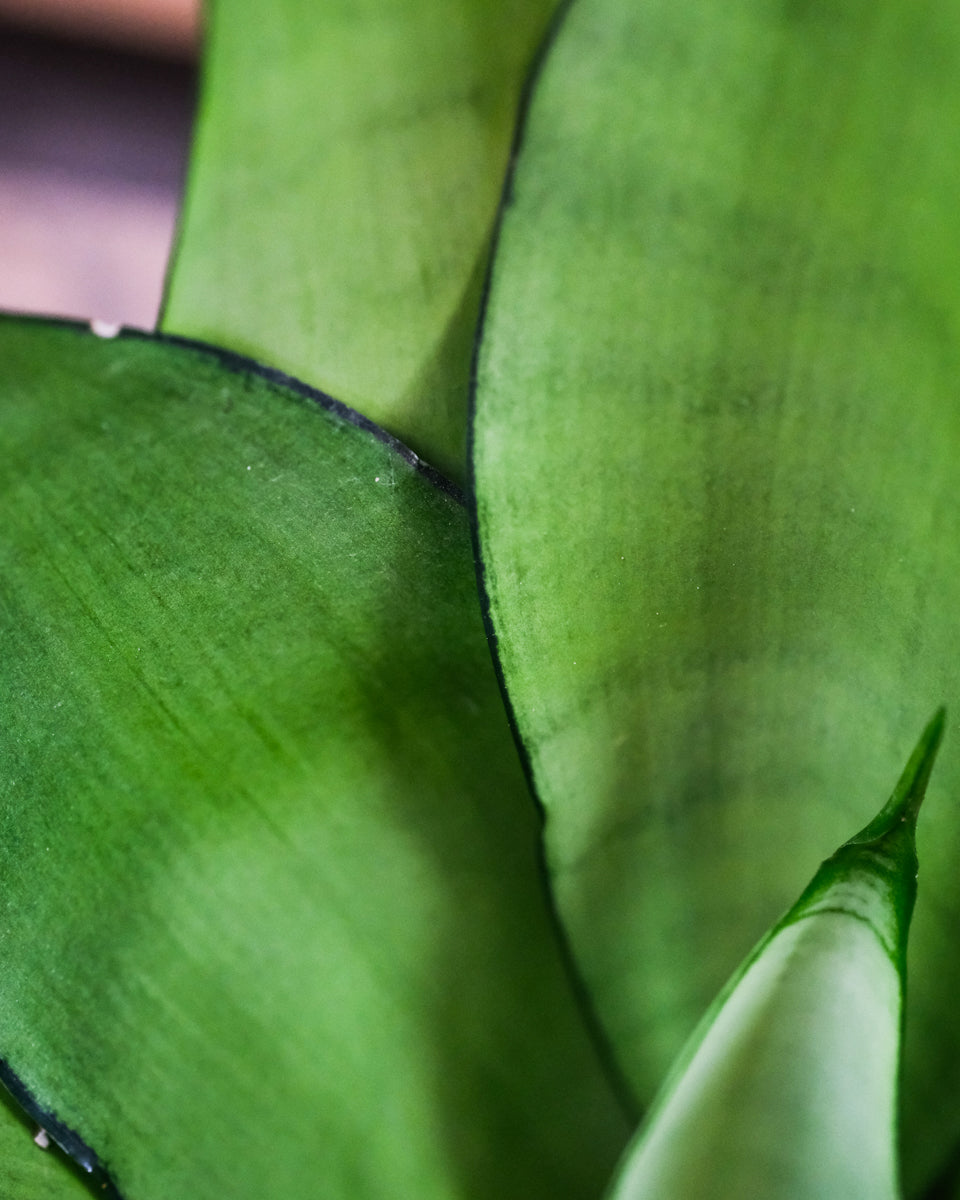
x,y
270,905
716,447
346,170
788,1087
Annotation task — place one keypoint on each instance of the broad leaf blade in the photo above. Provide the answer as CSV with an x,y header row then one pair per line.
x,y
788,1087
344,182
715,451
271,913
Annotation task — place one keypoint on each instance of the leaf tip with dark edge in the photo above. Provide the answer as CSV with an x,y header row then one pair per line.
x,y
904,804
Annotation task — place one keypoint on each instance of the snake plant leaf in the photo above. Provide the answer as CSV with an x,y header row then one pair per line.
x,y
788,1087
344,183
716,440
31,1171
271,912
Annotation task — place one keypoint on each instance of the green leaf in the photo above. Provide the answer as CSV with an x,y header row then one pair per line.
x,y
347,166
715,448
788,1087
271,912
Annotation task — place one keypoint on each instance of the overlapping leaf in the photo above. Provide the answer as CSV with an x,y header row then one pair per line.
x,y
716,447
788,1087
345,177
271,917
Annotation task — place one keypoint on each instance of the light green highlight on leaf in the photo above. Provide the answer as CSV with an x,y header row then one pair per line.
x,y
348,161
790,1091
271,912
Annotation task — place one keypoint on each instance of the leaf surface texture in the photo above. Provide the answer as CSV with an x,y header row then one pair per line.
x,y
272,918
715,449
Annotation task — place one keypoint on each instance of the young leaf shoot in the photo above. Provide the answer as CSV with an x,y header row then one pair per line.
x,y
788,1088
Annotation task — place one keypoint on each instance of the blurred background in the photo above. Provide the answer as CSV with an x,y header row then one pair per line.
x,y
96,106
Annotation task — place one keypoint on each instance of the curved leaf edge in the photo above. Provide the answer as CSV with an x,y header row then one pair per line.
x,y
240,364
199,94
483,592
616,1077
557,22
69,1141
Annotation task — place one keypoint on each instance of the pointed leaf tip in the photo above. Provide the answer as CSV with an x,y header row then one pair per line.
x,y
806,1036
904,803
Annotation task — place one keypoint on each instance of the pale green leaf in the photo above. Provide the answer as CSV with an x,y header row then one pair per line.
x,y
346,170
716,451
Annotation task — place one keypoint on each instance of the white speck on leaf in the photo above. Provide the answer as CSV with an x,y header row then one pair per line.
x,y
42,1138
104,329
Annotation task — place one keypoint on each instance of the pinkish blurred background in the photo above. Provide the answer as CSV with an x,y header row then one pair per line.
x,y
96,104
